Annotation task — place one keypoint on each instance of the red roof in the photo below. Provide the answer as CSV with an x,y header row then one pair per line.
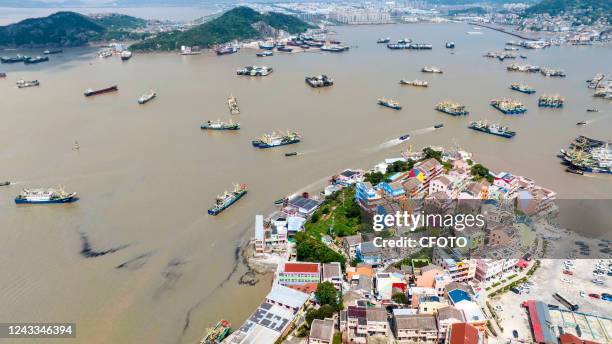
x,y
307,288
522,263
568,338
463,333
311,268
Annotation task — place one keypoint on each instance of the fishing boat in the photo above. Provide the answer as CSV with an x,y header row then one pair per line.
x,y
574,171
319,81
226,50
35,60
280,201
76,146
493,129
147,97
232,103
383,40
450,45
42,196
264,54
554,101
254,71
126,55
6,183
508,106
390,103
276,139
105,53
217,333
452,108
15,59
581,123
438,126
522,88
416,82
220,125
90,92
430,69
291,154
267,46
53,51
24,84
592,110
228,199
404,137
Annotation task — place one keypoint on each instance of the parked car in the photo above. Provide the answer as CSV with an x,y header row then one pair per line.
x,y
515,333
606,296
567,272
515,290
594,295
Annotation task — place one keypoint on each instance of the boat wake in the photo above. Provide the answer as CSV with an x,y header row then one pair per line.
x,y
596,119
396,141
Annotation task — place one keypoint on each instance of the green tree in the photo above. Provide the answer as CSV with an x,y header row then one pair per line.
x,y
399,298
429,153
479,172
325,311
375,177
326,294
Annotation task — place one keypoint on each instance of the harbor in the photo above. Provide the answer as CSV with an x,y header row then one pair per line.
x,y
115,169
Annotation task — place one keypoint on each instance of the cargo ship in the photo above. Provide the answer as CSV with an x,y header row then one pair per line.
x,y
522,88
147,97
493,129
267,46
319,81
15,59
217,333
43,196
276,139
232,104
416,82
228,198
452,108
126,55
389,103
383,40
264,54
53,51
226,50
254,71
450,45
552,72
24,84
589,155
220,125
508,106
551,101
428,69
89,92
35,60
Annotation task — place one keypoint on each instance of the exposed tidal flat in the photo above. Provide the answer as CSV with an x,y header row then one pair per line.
x,y
161,269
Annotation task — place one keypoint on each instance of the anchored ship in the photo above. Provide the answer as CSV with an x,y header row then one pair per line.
x,y
126,55
523,68
522,88
254,71
35,60
15,59
552,72
319,81
420,46
228,198
89,92
508,106
551,101
267,46
415,82
146,97
23,83
42,196
276,139
232,103
450,45
335,48
384,40
226,50
493,129
390,103
452,108
220,125
284,49
53,51
430,69
5,183
217,333
589,155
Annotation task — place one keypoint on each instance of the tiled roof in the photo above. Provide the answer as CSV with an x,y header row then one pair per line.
x,y
302,267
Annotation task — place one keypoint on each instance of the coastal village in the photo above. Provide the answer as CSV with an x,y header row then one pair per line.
x,y
333,284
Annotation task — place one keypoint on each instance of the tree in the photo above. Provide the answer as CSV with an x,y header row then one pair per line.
x,y
310,249
374,177
429,153
325,311
399,298
479,172
326,294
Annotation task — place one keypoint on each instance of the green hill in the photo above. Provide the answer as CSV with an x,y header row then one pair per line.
x,y
590,9
238,23
68,29
61,28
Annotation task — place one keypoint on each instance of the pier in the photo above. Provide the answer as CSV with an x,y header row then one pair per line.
x,y
506,32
